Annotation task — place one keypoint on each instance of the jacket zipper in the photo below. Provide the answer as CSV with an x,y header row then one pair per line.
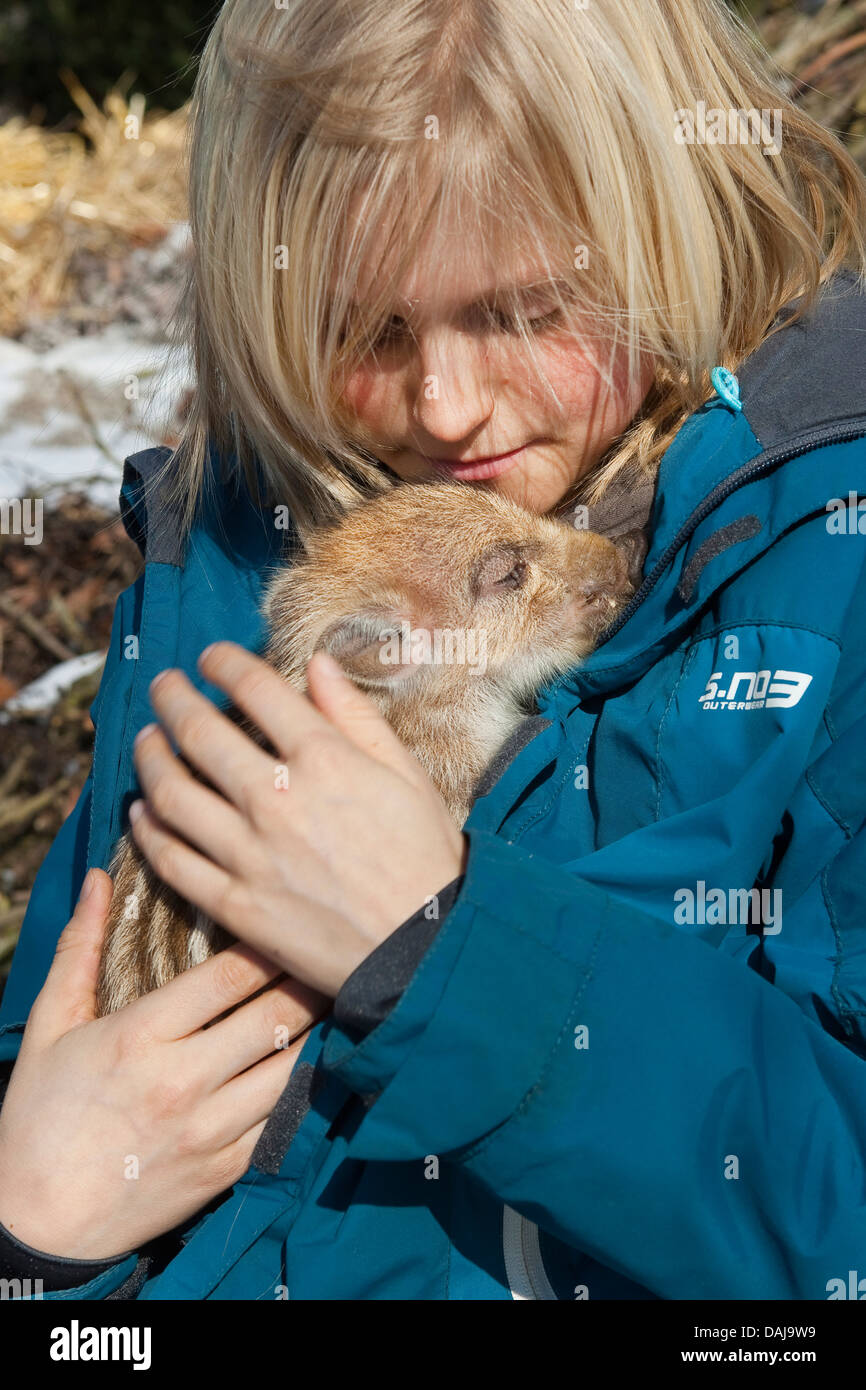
x,y
764,463
524,1267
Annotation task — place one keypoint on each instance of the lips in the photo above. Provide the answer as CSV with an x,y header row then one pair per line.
x,y
479,468
487,458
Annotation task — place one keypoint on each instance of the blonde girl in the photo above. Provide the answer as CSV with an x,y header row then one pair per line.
x,y
587,255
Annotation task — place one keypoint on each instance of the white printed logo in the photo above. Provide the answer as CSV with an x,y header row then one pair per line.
x,y
756,690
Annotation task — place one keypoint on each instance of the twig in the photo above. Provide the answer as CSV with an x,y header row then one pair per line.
x,y
26,807
70,623
10,777
825,60
810,32
35,629
84,411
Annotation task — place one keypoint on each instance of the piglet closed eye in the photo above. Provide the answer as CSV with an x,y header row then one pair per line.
x,y
450,606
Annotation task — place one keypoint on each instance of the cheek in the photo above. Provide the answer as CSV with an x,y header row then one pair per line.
x,y
371,397
577,389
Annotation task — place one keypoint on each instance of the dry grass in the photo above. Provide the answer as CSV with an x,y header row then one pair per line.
x,y
117,182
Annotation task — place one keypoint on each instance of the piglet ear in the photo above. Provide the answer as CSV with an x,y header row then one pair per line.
x,y
371,646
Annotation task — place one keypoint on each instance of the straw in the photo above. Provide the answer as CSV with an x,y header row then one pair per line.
x,y
116,183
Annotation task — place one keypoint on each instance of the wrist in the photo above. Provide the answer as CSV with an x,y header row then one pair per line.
x,y
23,1265
37,1228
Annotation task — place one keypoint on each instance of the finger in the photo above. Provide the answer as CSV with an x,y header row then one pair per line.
x,y
357,716
181,802
248,1099
283,714
234,1160
217,1170
199,995
264,1025
210,741
68,996
311,942
191,874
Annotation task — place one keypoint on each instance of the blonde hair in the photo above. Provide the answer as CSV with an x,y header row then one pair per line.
x,y
311,156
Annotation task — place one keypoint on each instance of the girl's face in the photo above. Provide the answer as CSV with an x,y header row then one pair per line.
x,y
448,393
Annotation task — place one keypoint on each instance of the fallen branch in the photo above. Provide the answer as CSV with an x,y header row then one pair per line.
x,y
35,629
86,415
24,808
9,780
825,60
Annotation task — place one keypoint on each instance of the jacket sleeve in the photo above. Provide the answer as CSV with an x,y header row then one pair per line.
x,y
56,1274
604,1073
648,1098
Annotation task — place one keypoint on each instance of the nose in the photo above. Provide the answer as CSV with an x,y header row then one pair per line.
x,y
453,394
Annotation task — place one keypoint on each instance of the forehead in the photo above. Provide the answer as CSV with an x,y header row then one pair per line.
x,y
460,275
454,265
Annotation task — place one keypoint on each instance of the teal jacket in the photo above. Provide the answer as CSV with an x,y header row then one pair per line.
x,y
609,1074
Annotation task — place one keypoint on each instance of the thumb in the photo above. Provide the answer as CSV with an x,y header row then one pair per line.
x,y
68,996
356,715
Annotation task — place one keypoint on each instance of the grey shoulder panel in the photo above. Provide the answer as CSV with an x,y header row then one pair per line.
x,y
733,534
809,373
150,520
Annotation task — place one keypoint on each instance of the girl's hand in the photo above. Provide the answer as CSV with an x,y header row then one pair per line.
x,y
114,1130
313,860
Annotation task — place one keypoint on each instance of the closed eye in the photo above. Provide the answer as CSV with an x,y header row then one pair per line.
x,y
499,572
503,322
395,330
533,309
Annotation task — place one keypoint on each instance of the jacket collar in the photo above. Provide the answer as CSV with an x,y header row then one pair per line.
x,y
737,511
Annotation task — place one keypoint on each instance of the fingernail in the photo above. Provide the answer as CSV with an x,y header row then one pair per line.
x,y
87,885
157,679
148,728
136,809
